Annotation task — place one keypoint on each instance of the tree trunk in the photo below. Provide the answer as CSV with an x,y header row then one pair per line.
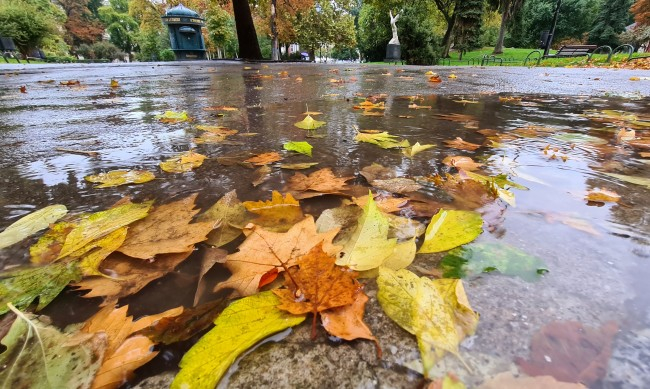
x,y
275,47
446,41
249,47
312,54
498,49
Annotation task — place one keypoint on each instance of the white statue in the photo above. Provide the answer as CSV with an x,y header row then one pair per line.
x,y
393,20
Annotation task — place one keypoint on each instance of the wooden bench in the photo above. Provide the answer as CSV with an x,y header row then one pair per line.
x,y
573,51
8,48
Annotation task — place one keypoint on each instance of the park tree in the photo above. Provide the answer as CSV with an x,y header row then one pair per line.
x,y
81,25
374,32
641,11
249,47
468,25
612,18
221,30
508,9
325,24
26,23
121,26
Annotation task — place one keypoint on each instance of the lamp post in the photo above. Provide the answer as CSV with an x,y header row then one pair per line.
x,y
550,36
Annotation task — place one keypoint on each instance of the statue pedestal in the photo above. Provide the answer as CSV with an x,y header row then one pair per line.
x,y
393,53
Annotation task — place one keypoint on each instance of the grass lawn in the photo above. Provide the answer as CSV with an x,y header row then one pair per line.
x,y
22,61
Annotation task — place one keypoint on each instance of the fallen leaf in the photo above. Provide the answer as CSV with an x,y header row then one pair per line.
x,y
460,144
70,83
217,130
461,162
31,224
385,204
182,163
477,258
570,352
230,217
452,75
318,183
211,256
602,196
261,175
210,138
173,117
397,185
299,147
415,106
449,381
435,78
130,275
643,181
244,323
367,105
437,312
377,172
221,108
49,245
506,380
449,229
316,285
464,101
167,229
298,166
40,356
278,214
381,139
347,322
264,250
23,89
308,123
120,177
264,159
415,149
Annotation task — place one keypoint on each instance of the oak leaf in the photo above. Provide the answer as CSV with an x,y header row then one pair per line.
x,y
167,229
264,250
318,183
437,312
230,215
278,214
317,285
264,159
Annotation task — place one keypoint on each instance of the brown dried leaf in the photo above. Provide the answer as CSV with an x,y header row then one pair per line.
x,y
385,204
397,185
318,183
460,144
461,162
264,159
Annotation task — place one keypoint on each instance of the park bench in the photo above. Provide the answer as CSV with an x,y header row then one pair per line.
x,y
8,48
569,51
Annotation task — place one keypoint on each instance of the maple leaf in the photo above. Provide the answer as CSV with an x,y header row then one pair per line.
x,y
278,214
131,275
263,251
182,163
264,159
318,183
460,144
230,215
570,352
30,224
120,177
347,322
166,229
317,285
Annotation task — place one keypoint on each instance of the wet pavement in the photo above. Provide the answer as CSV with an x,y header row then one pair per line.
x,y
597,256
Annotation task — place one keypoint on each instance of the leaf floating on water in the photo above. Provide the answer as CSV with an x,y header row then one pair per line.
x,y
437,312
643,181
31,224
397,185
264,159
461,162
120,177
381,139
173,117
460,144
570,352
182,163
217,130
451,228
299,147
40,356
309,123
318,183
415,149
22,287
260,175
602,195
476,258
298,166
241,325
278,214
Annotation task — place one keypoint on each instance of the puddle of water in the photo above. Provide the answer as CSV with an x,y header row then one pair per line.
x,y
593,253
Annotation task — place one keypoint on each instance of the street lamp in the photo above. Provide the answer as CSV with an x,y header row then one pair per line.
x,y
550,36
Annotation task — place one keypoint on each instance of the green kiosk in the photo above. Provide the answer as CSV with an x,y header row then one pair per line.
x,y
185,33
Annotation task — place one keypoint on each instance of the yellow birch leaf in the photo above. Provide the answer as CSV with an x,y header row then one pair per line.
x,y
120,177
451,228
101,224
183,162
30,224
416,148
369,245
309,123
244,323
437,312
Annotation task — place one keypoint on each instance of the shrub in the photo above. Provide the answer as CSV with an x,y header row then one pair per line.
x,y
167,55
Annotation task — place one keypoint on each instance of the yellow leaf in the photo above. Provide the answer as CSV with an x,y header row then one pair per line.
x,y
452,76
120,177
602,195
449,229
416,148
217,130
30,224
437,312
278,214
114,83
241,325
183,163
97,251
381,139
308,123
173,117
101,224
230,215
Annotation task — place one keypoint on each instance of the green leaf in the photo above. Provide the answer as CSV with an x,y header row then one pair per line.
x,y
369,245
30,224
299,147
435,311
449,229
22,287
382,139
474,259
100,224
643,181
241,325
39,356
308,123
